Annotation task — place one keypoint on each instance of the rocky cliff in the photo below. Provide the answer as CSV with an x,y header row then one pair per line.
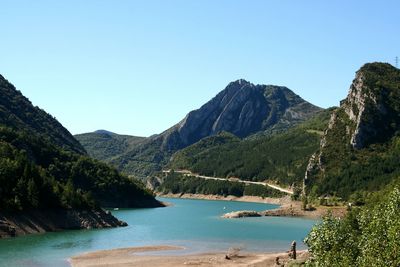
x,y
368,118
39,221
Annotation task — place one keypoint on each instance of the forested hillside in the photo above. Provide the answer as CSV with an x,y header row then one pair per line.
x,y
42,166
104,145
17,112
280,157
176,183
242,109
37,174
360,150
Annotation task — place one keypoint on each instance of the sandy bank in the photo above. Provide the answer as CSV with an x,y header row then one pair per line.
x,y
133,257
288,207
294,210
267,200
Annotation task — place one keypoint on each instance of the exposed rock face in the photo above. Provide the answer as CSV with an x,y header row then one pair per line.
x,y
368,115
153,182
242,108
37,221
354,106
359,103
372,104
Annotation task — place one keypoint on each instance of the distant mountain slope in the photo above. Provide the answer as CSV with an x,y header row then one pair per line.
x,y
40,173
104,145
281,157
17,112
242,109
360,150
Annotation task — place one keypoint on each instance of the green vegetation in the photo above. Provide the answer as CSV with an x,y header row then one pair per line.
x,y
43,166
129,154
351,173
105,146
178,183
36,174
17,112
144,159
280,157
367,174
241,108
364,170
365,237
383,82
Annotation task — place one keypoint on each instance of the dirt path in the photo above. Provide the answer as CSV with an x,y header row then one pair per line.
x,y
189,173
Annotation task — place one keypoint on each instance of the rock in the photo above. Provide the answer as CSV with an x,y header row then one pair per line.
x,y
292,251
153,182
241,214
35,221
285,212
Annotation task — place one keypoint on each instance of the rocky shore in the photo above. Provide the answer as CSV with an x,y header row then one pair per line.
x,y
241,214
288,207
269,200
289,210
39,221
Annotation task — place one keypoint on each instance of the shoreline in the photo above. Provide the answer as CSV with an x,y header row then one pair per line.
x,y
254,199
141,256
13,224
161,256
287,207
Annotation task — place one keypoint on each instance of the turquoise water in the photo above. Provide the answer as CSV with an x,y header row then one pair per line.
x,y
194,224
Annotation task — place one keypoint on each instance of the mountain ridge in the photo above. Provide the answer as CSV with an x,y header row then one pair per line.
x,y
47,180
359,151
242,109
18,112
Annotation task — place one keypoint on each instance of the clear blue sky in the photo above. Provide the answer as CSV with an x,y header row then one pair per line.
x,y
137,67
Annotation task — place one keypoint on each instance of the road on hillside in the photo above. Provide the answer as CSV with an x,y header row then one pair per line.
x,y
189,173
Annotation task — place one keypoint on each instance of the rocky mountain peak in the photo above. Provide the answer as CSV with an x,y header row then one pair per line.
x,y
368,103
239,82
242,109
370,114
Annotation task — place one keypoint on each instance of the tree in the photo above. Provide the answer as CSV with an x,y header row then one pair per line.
x,y
368,236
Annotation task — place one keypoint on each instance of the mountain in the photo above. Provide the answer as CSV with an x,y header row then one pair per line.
x,y
360,149
101,131
242,109
104,145
17,111
281,157
46,178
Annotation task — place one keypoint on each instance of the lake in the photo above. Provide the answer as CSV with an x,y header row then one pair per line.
x,y
194,224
